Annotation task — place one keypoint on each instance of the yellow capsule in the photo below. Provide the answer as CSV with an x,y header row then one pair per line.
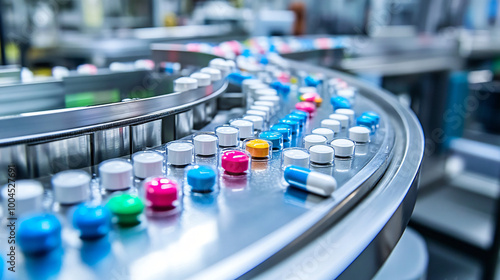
x,y
258,148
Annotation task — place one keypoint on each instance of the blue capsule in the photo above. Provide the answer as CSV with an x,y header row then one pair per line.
x,y
367,122
201,178
284,129
39,234
296,118
372,115
93,221
340,102
292,123
237,78
310,181
274,137
302,114
311,82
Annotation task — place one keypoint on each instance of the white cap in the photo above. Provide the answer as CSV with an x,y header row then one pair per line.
x,y
349,93
221,64
205,144
203,79
245,85
297,157
258,121
185,83
343,147
180,153
344,120
321,154
359,134
147,164
262,114
231,64
60,72
215,74
228,136
347,112
252,88
331,124
272,98
115,174
303,90
245,126
314,139
71,186
28,197
328,133
265,103
264,92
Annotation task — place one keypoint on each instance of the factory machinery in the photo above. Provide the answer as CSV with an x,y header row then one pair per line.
x,y
191,166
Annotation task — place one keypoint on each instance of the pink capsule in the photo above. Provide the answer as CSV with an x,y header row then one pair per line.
x,y
308,107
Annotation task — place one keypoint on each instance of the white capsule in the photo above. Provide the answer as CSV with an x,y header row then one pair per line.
x,y
310,181
258,121
321,154
296,156
185,83
215,74
203,79
245,127
349,113
314,139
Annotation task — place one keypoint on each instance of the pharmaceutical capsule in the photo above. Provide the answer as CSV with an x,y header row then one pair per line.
x,y
258,148
331,124
310,181
359,134
92,220
293,117
275,137
366,121
258,121
294,125
201,179
245,127
372,115
235,162
307,107
185,83
284,129
339,102
347,112
328,133
39,234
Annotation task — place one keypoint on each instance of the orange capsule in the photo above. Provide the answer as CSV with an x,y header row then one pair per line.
x,y
258,148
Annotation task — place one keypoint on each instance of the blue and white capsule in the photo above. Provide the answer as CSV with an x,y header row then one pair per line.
x,y
310,181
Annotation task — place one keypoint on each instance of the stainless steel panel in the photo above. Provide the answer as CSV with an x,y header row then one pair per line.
x,y
49,158
183,124
111,143
199,116
146,135
16,155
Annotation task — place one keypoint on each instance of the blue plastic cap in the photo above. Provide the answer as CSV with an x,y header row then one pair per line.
x,y
275,137
246,53
366,121
372,115
303,114
297,118
93,221
284,129
264,60
237,78
276,85
201,179
340,102
296,175
292,123
39,234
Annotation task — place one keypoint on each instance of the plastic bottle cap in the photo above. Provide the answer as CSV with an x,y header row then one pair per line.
x,y
328,133
71,186
245,84
205,144
343,147
115,174
161,193
347,112
127,208
147,164
221,64
258,121
259,113
28,196
268,104
235,162
39,234
344,120
321,154
203,79
180,153
331,124
185,83
201,179
228,136
245,126
314,139
265,92
359,134
215,74
296,157
258,148
272,98
93,221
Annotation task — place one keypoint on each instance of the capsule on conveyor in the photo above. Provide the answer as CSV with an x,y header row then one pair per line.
x,y
203,79
339,102
310,181
185,83
215,74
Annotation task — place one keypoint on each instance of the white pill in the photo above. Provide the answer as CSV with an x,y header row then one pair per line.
x,y
262,114
27,197
299,157
258,121
328,133
321,154
343,147
303,90
115,174
205,144
268,104
349,113
344,120
228,136
203,79
245,85
221,64
185,83
359,134
271,98
264,92
331,124
246,126
314,139
71,186
215,74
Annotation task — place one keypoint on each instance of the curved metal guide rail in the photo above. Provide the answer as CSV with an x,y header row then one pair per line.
x,y
249,226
